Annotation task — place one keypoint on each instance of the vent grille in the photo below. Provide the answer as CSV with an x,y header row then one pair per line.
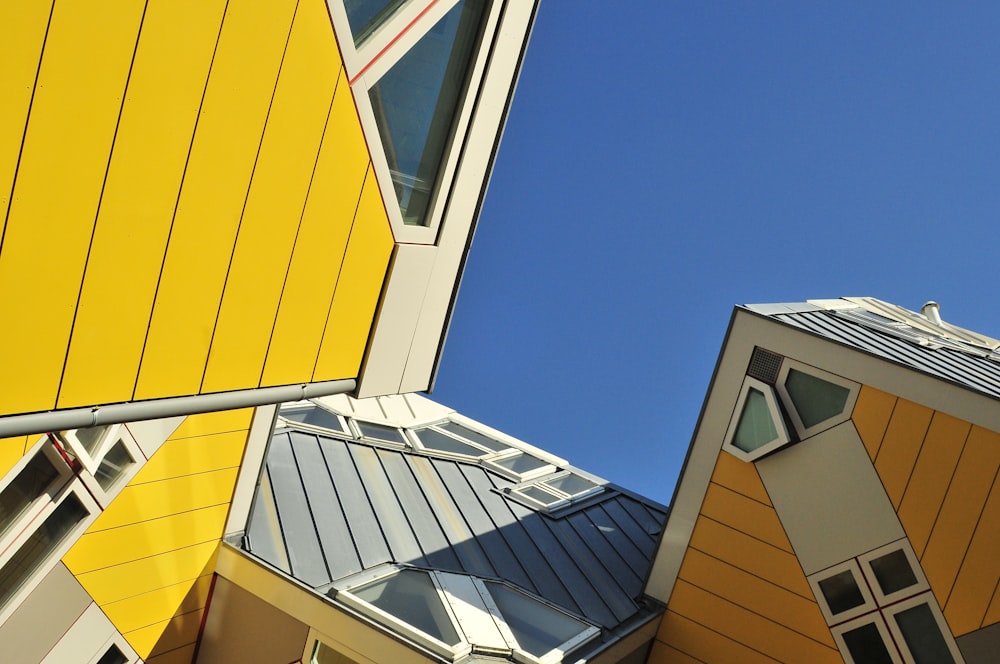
x,y
764,366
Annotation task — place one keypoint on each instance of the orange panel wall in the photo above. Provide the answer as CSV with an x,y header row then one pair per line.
x,y
741,595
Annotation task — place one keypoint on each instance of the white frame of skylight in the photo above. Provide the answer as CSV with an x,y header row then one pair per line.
x,y
900,545
786,400
776,417
302,405
492,462
851,565
365,76
344,595
879,622
355,429
413,432
562,498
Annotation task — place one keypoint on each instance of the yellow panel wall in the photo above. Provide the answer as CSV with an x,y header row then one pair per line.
x,y
197,172
148,559
741,595
941,473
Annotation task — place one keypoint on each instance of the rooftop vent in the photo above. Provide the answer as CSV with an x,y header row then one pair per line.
x,y
932,312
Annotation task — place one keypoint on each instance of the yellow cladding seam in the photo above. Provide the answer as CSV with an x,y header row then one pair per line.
x,y
358,288
144,177
111,584
274,206
166,635
22,33
177,458
64,158
222,421
227,139
134,613
182,655
320,245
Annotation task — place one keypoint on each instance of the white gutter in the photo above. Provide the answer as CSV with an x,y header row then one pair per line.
x,y
133,411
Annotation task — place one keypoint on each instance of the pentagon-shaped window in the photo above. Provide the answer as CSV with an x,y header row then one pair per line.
x,y
815,399
411,596
312,415
757,426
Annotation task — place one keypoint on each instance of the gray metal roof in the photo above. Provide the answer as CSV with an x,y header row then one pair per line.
x,y
952,360
330,507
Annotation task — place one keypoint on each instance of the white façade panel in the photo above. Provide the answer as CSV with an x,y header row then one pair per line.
x,y
46,614
150,434
471,178
829,498
425,410
396,320
89,637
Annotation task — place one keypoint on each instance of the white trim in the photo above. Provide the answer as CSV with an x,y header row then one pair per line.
x,y
928,599
360,435
845,414
873,618
493,464
900,545
115,434
131,657
251,468
868,604
776,418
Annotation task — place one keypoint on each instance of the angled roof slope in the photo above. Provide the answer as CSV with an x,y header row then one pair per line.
x,y
898,335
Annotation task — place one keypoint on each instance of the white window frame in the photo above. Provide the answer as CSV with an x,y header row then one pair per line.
x,y
562,498
852,566
131,657
304,405
492,463
804,432
355,429
776,417
901,545
366,64
927,598
879,622
414,435
31,522
90,463
48,495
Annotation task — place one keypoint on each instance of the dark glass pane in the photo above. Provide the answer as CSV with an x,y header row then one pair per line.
x,y
923,636
893,572
113,465
412,597
113,656
571,484
522,463
29,484
814,398
866,645
755,428
416,101
537,627
841,592
37,548
367,15
475,436
315,416
435,440
324,654
369,430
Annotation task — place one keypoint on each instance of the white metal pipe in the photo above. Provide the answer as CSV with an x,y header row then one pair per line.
x,y
134,411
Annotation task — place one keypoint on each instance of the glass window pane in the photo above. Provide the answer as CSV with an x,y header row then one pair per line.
x,y
412,597
755,428
416,101
475,436
866,645
522,463
435,440
391,434
814,398
314,415
90,437
542,496
537,627
367,15
841,592
29,484
113,465
923,636
571,484
37,548
893,572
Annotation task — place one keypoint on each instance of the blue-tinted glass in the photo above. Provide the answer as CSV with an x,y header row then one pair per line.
x,y
475,436
412,597
522,463
537,627
435,440
923,636
366,15
313,415
416,101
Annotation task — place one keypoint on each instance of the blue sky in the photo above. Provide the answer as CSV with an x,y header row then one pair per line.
x,y
665,163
